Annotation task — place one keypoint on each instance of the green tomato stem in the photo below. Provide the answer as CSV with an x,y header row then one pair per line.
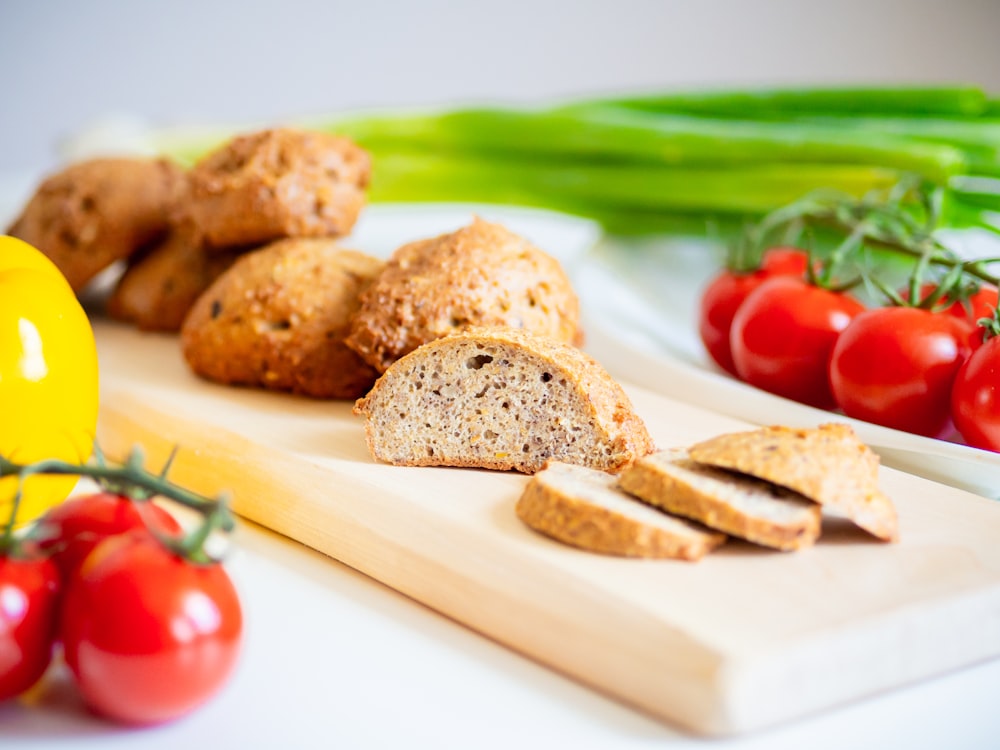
x,y
133,481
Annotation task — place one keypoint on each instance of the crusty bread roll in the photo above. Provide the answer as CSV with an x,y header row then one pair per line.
x,y
582,507
480,275
741,506
159,288
277,317
276,183
501,398
828,464
96,212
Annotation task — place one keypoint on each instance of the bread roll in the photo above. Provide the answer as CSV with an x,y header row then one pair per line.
x,y
277,318
480,275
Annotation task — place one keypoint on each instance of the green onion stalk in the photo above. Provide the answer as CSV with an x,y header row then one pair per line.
x,y
680,162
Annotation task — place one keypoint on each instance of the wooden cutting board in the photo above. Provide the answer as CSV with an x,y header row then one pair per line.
x,y
743,639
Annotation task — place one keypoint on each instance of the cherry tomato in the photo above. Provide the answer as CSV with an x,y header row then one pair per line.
x,y
895,366
72,529
975,397
29,604
726,292
147,635
980,304
783,334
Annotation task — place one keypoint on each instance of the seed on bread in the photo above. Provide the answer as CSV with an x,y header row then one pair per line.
x,y
501,398
829,465
582,507
758,511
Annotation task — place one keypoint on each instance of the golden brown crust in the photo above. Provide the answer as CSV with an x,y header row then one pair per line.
x,y
277,318
501,398
96,212
480,275
829,465
278,183
159,288
751,509
582,508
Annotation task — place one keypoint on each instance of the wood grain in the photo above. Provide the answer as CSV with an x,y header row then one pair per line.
x,y
744,639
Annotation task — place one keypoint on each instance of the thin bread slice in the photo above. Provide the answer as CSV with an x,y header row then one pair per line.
x,y
758,511
582,507
828,464
501,398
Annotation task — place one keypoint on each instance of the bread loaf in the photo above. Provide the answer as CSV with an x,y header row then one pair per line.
x,y
742,506
501,398
582,507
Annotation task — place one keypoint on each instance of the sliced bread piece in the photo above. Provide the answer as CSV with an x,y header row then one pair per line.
x,y
742,506
828,464
501,398
582,507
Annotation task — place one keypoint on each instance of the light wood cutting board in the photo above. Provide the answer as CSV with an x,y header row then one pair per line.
x,y
741,640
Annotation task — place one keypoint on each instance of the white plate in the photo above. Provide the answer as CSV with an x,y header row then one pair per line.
x,y
640,301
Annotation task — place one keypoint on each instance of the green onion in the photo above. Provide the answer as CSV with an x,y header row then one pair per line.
x,y
693,160
860,100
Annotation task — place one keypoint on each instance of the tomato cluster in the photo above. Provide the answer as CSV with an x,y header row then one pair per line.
x,y
912,367
147,634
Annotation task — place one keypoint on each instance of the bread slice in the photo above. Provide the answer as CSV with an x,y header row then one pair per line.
x,y
501,398
751,509
582,507
828,464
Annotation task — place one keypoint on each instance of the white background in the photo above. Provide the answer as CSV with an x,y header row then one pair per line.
x,y
66,62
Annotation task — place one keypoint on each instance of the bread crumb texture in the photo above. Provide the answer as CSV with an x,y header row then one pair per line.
x,y
501,398
479,275
582,507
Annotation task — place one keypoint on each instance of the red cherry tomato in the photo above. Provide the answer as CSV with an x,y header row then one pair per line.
x,y
29,603
72,529
783,334
975,397
726,292
895,366
147,635
980,304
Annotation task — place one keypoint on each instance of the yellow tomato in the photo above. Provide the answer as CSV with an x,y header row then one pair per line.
x,y
48,376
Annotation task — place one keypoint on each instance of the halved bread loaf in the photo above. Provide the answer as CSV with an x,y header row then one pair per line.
x,y
501,398
582,507
749,508
829,465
